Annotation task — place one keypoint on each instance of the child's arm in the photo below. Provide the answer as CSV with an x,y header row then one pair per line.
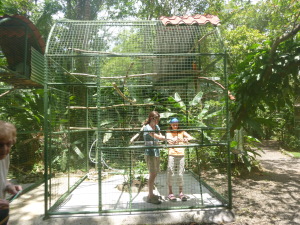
x,y
154,134
187,137
158,136
170,139
12,189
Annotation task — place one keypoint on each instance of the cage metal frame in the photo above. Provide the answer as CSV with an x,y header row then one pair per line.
x,y
54,83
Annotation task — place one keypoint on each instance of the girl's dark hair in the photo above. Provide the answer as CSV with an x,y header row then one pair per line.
x,y
151,115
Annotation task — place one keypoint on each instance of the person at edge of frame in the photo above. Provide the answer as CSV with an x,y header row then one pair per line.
x,y
176,158
152,155
8,137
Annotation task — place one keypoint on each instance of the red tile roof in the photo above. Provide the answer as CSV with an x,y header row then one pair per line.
x,y
17,20
190,20
17,35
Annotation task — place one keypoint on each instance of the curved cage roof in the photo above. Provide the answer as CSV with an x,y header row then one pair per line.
x,y
132,37
81,51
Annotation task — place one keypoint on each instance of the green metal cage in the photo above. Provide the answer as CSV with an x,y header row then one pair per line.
x,y
102,78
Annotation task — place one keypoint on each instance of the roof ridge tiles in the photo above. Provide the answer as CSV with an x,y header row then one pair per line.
x,y
190,20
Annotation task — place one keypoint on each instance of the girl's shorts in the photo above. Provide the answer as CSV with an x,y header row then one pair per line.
x,y
152,163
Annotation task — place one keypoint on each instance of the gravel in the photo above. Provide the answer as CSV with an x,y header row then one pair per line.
x,y
271,195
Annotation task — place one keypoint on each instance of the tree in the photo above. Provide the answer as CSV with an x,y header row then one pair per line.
x,y
81,9
264,75
20,7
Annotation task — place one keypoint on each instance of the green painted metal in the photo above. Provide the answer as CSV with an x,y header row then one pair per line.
x,y
102,78
65,195
99,137
37,66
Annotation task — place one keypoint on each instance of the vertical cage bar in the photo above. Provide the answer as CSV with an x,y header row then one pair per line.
x,y
99,137
228,136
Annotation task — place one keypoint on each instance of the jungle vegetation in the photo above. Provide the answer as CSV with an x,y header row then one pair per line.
x,y
263,45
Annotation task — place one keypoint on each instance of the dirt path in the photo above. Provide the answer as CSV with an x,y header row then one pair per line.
x,y
271,196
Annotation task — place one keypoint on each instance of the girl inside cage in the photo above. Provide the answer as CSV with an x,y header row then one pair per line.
x,y
176,158
152,155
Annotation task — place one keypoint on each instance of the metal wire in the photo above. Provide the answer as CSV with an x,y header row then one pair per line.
x,y
102,80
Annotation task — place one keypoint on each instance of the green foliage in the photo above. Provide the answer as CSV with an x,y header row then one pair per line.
x,y
140,170
25,110
19,7
208,157
295,154
247,156
291,142
39,12
164,159
141,167
277,87
241,42
136,174
115,9
59,160
43,16
196,113
1,8
81,10
150,9
263,62
263,44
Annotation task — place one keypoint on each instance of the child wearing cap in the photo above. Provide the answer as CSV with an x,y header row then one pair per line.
x,y
176,158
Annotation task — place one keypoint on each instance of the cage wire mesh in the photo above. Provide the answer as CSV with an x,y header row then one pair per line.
x,y
103,79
